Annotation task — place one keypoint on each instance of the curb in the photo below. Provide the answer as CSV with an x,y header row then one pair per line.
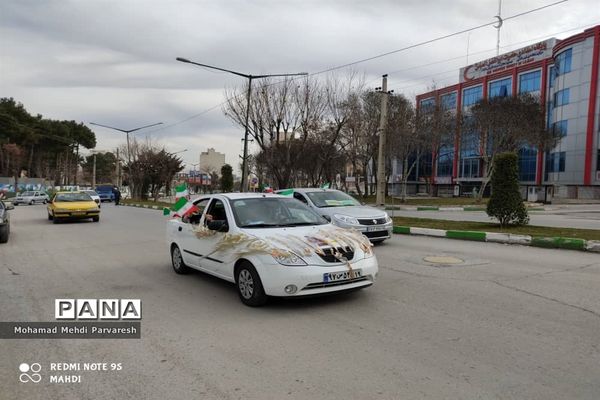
x,y
142,206
434,208
507,238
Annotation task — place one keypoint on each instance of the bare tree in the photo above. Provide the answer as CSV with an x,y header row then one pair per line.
x,y
507,124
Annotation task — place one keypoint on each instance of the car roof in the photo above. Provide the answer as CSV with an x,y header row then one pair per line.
x,y
310,190
66,191
236,196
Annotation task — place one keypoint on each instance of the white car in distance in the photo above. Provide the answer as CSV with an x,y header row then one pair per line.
x,y
269,245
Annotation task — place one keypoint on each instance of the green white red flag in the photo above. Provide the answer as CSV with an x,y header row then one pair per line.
x,y
181,208
181,191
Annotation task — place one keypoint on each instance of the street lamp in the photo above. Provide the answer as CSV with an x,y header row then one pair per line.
x,y
127,132
250,78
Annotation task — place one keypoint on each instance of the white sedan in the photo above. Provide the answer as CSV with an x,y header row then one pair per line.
x,y
269,245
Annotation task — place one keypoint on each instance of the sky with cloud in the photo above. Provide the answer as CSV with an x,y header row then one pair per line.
x,y
113,61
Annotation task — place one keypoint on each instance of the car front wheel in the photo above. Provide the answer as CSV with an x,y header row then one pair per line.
x,y
249,285
177,260
50,217
4,232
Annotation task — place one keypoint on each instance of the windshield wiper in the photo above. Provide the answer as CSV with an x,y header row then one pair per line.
x,y
260,225
300,224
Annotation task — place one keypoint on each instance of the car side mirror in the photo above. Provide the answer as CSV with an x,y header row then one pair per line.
x,y
9,205
327,217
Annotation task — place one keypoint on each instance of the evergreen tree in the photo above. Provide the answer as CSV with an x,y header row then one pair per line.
x,y
226,178
505,203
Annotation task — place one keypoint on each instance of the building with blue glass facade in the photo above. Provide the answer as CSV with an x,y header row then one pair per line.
x,y
564,74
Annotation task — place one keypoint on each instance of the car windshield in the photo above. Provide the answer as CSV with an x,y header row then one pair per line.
x,y
332,198
273,212
72,197
27,194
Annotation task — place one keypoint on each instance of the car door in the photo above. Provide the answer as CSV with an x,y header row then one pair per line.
x,y
186,236
217,262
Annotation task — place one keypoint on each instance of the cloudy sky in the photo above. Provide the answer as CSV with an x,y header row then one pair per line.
x,y
113,61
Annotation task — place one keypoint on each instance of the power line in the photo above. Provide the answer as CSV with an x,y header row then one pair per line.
x,y
370,59
412,46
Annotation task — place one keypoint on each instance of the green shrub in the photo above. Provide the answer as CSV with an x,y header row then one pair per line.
x,y
505,203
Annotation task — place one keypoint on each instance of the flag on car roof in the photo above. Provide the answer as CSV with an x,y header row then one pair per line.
x,y
326,185
286,192
181,191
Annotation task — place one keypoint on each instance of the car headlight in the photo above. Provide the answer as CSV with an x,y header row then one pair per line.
x,y
388,219
346,218
288,258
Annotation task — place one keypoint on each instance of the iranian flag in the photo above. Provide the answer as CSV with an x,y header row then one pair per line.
x,y
181,208
286,192
326,185
181,191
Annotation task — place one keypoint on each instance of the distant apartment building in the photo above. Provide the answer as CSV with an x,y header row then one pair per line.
x,y
564,73
211,160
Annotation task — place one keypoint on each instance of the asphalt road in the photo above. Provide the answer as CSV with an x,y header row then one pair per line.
x,y
581,217
509,322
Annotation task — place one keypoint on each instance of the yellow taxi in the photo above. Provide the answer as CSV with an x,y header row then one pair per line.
x,y
73,205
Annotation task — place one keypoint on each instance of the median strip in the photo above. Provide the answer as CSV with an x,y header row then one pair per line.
x,y
507,238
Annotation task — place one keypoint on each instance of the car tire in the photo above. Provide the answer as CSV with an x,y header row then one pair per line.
x,y
4,232
50,217
177,261
45,201
249,285
96,218
55,220
31,203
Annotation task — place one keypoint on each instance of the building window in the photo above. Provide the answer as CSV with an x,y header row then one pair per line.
x,y
598,161
560,127
469,168
427,105
472,95
448,101
555,162
561,97
552,76
530,82
527,164
444,161
501,88
562,62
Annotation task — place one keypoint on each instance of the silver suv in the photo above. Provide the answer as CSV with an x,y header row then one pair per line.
x,y
31,197
345,211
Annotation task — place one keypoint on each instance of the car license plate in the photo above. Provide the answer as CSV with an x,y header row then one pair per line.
x,y
375,228
78,213
341,276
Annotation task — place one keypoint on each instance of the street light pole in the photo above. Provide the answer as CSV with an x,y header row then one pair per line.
x,y
380,198
244,185
127,132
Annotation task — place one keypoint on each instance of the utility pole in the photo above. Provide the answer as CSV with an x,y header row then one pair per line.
x,y
118,169
380,199
94,174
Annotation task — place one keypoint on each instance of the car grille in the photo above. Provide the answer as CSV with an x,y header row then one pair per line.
x,y
376,234
328,256
372,221
320,285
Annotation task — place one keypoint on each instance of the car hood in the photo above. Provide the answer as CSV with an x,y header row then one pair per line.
x,y
75,205
309,242
354,211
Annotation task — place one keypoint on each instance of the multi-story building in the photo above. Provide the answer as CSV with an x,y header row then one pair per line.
x,y
211,161
564,73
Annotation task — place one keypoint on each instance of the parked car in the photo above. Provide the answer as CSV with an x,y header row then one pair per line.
x,y
5,220
72,205
94,196
345,211
269,245
31,197
105,192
